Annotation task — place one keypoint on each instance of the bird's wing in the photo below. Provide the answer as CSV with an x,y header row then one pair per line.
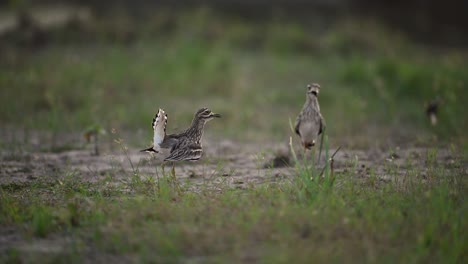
x,y
170,141
298,123
191,152
322,125
159,127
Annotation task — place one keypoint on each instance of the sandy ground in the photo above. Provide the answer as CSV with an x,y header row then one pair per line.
x,y
233,163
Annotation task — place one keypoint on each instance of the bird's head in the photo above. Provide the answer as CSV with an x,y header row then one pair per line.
x,y
313,89
206,114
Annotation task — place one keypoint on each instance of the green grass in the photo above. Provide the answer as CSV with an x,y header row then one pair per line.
x,y
404,219
375,84
370,75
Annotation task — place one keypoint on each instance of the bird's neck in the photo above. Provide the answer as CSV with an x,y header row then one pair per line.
x,y
311,99
196,129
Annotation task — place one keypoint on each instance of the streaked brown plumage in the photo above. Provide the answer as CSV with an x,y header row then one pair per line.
x,y
309,122
184,146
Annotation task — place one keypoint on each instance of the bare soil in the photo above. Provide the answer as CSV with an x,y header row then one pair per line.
x,y
228,162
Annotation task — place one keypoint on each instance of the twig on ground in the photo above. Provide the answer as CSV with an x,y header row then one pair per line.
x,y
331,161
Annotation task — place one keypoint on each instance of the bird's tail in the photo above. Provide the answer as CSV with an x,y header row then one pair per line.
x,y
159,126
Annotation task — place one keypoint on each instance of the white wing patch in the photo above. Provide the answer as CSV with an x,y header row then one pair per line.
x,y
159,127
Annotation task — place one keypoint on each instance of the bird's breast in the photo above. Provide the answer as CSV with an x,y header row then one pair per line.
x,y
308,131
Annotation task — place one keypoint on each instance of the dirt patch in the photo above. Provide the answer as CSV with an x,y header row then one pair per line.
x,y
228,162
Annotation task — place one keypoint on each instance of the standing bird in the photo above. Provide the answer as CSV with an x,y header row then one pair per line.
x,y
309,122
177,147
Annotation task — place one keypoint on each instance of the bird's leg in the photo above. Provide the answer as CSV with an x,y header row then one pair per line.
x,y
312,158
304,158
157,175
162,168
174,179
173,170
304,151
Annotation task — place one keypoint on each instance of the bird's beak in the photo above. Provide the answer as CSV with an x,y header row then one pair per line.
x,y
215,115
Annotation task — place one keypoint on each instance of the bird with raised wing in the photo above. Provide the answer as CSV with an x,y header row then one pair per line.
x,y
183,146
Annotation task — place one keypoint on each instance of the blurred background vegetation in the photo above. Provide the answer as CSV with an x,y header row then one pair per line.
x,y
68,65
